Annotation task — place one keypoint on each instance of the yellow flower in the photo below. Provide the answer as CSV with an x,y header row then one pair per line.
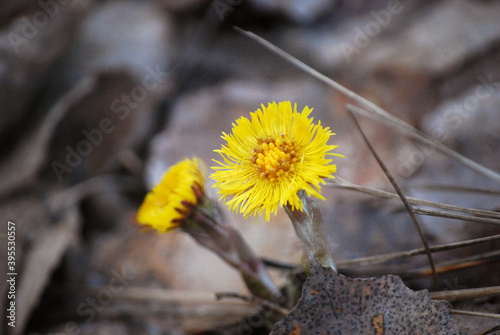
x,y
171,201
271,157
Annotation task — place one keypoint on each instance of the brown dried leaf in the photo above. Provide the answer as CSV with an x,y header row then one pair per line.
x,y
40,261
29,156
334,304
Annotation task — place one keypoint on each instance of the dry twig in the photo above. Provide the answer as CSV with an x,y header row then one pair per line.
x,y
401,195
471,293
377,259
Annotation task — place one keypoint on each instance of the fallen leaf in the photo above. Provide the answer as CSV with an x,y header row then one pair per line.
x,y
41,260
29,156
334,304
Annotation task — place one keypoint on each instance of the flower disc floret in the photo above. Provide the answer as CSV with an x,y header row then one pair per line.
x,y
171,201
269,158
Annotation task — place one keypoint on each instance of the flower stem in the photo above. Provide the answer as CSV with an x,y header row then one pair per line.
x,y
310,228
211,229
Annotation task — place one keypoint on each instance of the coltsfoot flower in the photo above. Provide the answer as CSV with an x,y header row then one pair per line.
x,y
172,200
271,157
179,201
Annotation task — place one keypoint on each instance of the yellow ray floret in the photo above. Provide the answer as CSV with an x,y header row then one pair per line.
x,y
163,208
269,158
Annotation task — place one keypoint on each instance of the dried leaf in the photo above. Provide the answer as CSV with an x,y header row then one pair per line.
x,y
27,159
334,304
41,261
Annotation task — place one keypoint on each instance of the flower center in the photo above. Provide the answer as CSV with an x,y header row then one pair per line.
x,y
275,158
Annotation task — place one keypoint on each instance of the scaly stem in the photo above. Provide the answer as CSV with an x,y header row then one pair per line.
x,y
211,229
310,228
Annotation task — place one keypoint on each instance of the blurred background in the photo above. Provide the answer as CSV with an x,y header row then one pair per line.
x,y
99,98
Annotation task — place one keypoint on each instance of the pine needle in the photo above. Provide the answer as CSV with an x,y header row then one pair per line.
x,y
482,314
377,259
401,195
344,184
376,112
463,294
